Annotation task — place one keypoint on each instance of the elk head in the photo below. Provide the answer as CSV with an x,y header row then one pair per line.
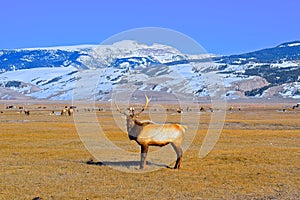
x,y
131,116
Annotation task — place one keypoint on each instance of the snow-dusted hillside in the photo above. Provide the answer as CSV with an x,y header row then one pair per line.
x,y
53,73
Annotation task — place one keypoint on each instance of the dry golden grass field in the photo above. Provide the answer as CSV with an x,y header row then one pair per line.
x,y
257,157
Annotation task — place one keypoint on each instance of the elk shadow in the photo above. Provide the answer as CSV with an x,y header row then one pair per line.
x,y
127,164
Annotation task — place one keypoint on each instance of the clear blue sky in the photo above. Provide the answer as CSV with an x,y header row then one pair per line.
x,y
220,26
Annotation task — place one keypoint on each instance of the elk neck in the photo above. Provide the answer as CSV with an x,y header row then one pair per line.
x,y
134,127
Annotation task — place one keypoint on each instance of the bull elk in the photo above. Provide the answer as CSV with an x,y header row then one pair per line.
x,y
147,133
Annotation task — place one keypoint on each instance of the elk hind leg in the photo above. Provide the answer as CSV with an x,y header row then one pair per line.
x,y
177,148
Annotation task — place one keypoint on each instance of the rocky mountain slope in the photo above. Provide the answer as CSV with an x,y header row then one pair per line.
x,y
95,71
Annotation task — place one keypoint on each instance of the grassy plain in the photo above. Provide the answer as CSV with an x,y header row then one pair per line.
x,y
256,157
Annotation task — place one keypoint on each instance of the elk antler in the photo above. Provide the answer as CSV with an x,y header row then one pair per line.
x,y
145,106
118,109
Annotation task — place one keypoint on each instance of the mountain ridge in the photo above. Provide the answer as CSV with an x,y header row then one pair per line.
x,y
51,73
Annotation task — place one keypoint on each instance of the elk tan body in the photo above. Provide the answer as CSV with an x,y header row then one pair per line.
x,y
147,133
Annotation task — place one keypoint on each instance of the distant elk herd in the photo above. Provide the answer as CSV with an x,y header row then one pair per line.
x,y
69,110
66,110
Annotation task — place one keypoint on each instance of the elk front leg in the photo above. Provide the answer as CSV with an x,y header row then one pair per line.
x,y
144,151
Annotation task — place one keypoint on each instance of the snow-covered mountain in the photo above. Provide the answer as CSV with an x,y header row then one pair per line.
x,y
96,70
277,70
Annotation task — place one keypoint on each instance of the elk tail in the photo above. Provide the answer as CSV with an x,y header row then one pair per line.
x,y
183,128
